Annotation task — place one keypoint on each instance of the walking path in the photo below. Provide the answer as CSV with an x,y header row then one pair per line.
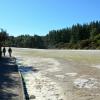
x,y
10,81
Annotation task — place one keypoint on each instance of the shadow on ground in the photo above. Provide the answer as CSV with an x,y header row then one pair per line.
x,y
7,67
26,69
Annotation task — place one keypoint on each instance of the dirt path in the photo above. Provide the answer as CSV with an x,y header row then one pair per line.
x,y
10,82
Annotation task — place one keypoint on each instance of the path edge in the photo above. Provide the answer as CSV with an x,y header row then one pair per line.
x,y
21,82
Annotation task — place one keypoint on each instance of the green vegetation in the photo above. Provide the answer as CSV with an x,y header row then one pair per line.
x,y
86,36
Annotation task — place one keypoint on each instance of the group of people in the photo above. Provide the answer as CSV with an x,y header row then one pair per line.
x,y
9,51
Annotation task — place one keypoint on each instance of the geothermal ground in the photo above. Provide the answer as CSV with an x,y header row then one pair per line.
x,y
60,74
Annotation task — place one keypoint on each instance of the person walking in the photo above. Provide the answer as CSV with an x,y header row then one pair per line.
x,y
4,51
10,51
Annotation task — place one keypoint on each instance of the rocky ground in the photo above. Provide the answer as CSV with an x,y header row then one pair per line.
x,y
60,74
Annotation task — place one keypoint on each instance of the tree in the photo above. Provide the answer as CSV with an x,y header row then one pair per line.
x,y
75,37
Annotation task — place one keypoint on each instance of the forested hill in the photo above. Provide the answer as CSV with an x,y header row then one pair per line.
x,y
86,36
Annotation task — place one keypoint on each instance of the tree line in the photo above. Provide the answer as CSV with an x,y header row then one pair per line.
x,y
85,36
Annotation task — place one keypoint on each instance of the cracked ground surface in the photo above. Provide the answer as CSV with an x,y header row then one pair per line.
x,y
60,74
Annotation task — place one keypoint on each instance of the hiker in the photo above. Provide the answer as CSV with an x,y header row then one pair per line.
x,y
4,51
9,51
0,53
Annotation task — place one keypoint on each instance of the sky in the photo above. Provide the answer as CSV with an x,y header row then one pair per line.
x,y
40,16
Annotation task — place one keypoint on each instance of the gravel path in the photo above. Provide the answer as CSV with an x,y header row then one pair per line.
x,y
10,82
